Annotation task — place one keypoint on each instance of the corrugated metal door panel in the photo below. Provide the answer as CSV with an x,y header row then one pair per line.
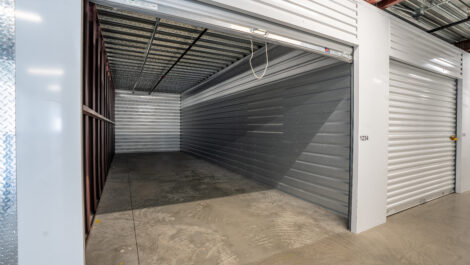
x,y
327,27
330,18
290,129
422,117
147,123
416,47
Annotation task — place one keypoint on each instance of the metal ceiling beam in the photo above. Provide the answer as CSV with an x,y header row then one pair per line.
x,y
170,41
388,3
449,25
111,46
464,45
156,53
192,64
144,21
383,4
430,19
199,50
162,25
169,57
167,61
176,62
146,54
182,38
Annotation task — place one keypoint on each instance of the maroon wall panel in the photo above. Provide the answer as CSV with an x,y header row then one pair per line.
x,y
98,113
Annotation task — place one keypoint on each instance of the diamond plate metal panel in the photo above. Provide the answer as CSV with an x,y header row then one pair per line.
x,y
8,221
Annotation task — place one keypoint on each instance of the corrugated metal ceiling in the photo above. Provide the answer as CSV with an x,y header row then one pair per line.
x,y
127,36
432,14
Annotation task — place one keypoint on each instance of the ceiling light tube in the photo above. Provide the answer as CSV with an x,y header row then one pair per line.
x,y
240,28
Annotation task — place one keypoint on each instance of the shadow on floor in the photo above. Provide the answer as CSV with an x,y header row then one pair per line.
x,y
139,181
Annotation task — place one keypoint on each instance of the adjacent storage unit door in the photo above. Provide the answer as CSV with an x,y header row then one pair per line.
x,y
422,120
147,123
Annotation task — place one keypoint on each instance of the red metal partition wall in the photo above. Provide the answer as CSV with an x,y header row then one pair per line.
x,y
98,113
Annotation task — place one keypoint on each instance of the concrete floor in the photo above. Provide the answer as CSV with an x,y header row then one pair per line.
x,y
173,208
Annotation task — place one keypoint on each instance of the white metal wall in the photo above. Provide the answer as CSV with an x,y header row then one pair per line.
x,y
290,130
416,47
422,117
49,133
147,123
463,130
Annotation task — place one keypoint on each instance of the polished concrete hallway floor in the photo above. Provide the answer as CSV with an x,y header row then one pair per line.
x,y
173,208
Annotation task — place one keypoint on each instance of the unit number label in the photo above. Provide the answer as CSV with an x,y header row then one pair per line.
x,y
364,137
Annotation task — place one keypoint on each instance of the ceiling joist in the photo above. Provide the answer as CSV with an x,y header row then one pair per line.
x,y
448,20
177,61
154,54
382,4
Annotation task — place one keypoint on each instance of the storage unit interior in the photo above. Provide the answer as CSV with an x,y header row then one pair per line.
x,y
214,165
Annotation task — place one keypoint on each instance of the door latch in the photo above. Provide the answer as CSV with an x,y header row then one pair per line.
x,y
454,138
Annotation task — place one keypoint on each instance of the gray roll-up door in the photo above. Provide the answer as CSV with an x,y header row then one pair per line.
x,y
147,123
422,116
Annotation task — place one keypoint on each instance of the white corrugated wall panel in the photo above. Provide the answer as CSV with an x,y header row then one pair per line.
x,y
290,129
334,19
147,123
422,118
416,47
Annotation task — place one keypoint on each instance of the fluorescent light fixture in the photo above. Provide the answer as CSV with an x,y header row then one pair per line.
x,y
28,16
248,30
260,32
46,71
301,44
283,39
267,35
136,94
240,28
